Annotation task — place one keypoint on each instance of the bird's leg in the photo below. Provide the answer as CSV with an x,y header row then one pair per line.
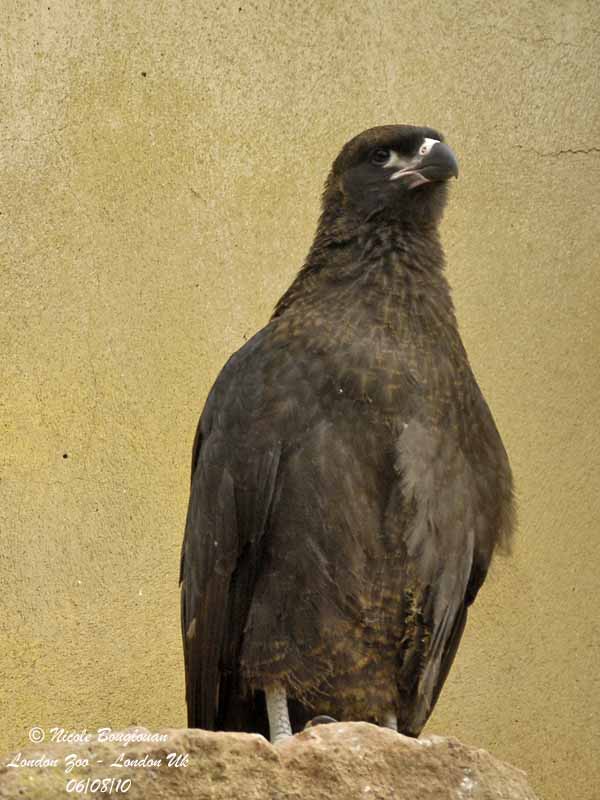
x,y
390,721
277,711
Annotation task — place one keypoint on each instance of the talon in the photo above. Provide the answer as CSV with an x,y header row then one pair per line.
x,y
322,719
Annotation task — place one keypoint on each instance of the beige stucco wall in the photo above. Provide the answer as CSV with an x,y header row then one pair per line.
x,y
161,170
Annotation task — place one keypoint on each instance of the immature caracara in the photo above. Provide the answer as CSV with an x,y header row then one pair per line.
x,y
349,486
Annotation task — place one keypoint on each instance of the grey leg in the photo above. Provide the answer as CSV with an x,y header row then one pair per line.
x,y
277,711
390,721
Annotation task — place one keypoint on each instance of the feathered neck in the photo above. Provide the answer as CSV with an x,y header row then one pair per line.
x,y
376,252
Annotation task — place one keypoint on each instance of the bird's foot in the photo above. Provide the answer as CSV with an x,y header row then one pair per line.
x,y
322,719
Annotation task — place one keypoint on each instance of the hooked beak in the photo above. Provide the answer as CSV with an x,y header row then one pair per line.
x,y
439,164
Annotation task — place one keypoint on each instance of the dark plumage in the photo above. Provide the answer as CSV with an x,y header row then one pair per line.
x,y
349,486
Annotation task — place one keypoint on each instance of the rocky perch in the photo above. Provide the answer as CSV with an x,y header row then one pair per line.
x,y
347,760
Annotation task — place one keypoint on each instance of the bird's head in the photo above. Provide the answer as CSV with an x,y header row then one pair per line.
x,y
399,170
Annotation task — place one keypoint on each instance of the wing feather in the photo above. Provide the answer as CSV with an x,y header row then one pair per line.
x,y
441,550
226,522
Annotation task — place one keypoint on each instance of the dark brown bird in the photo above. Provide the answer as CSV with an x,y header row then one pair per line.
x,y
349,485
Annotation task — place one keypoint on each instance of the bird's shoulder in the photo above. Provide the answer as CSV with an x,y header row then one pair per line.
x,y
263,389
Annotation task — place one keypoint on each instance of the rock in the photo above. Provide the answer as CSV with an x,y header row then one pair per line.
x,y
348,760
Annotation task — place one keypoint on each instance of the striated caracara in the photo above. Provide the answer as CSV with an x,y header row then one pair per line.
x,y
349,486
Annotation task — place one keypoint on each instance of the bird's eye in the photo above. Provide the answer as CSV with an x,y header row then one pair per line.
x,y
380,156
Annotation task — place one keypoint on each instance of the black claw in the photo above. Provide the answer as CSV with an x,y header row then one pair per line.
x,y
322,719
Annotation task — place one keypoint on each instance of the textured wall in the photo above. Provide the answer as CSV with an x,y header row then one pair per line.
x,y
161,170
